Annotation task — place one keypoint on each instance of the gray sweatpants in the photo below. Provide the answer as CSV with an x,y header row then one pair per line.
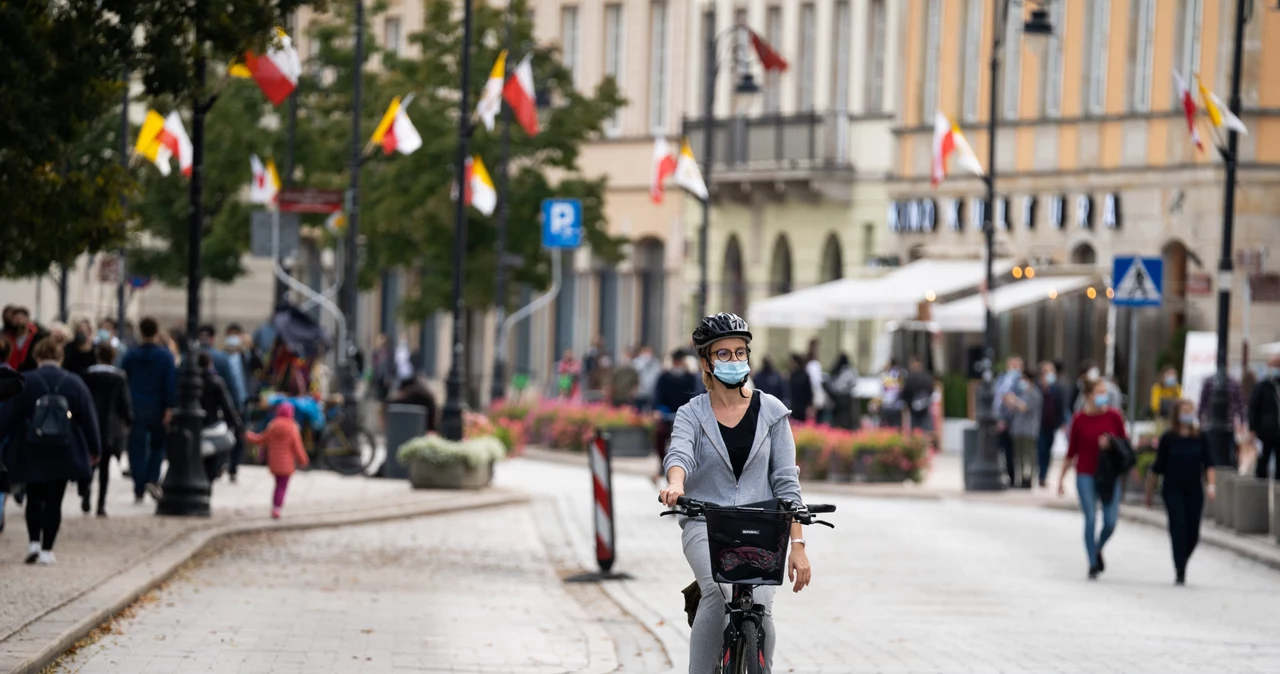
x,y
707,638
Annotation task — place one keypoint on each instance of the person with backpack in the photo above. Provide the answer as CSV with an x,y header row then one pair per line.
x,y
1264,416
52,430
110,391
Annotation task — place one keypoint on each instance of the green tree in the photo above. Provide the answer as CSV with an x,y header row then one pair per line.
x,y
61,84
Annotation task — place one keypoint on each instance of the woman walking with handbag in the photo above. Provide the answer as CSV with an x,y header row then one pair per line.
x,y
1092,429
1184,461
221,419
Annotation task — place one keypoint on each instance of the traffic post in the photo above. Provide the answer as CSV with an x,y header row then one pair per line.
x,y
1139,282
602,509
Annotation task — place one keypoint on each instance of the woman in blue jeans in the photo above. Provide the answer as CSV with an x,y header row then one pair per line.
x,y
1087,439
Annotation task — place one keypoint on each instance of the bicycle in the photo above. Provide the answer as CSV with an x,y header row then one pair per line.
x,y
347,451
748,546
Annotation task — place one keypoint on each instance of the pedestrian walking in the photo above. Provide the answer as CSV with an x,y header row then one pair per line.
x,y
623,381
244,359
52,438
232,377
674,389
1184,461
917,392
1053,417
23,335
817,382
769,380
723,424
282,443
1093,429
11,384
889,407
1026,403
152,376
569,373
1004,415
221,424
80,355
1264,417
1165,394
649,368
801,390
843,381
110,391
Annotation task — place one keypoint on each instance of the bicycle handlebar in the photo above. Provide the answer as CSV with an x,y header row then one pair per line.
x,y
804,514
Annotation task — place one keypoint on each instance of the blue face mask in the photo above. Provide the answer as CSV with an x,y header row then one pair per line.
x,y
1050,379
1101,399
1187,419
103,336
732,374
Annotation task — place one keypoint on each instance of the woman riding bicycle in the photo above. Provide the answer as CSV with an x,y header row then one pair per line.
x,y
730,446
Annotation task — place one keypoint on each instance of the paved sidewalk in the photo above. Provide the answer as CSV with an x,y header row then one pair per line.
x,y
105,563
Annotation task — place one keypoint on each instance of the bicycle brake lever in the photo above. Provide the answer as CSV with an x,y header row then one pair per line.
x,y
670,512
825,524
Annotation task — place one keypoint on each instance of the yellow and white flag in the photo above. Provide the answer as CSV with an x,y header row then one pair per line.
x,y
491,98
480,190
1219,113
266,182
688,175
396,133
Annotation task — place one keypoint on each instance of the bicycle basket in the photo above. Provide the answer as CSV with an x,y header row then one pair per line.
x,y
748,548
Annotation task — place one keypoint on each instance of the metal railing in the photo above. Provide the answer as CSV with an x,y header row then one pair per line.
x,y
804,141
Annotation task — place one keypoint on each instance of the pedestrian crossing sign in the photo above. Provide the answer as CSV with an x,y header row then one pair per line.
x,y
1139,281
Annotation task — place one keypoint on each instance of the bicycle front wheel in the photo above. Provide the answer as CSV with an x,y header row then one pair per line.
x,y
750,657
347,453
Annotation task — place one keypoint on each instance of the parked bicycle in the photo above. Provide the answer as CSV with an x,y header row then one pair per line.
x,y
748,546
348,449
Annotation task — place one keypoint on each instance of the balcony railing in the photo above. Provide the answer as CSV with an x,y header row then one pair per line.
x,y
775,144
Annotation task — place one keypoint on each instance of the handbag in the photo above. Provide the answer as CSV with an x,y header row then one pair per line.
x,y
216,438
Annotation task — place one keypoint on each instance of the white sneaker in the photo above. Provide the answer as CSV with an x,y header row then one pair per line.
x,y
33,552
47,558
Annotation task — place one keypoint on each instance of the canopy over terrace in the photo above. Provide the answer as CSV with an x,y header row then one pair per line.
x,y
969,315
894,296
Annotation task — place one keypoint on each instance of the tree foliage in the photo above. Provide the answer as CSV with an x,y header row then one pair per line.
x,y
61,86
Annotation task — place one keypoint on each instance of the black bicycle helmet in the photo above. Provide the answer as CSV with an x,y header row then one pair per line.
x,y
719,326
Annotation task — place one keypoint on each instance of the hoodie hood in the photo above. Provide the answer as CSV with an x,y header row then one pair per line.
x,y
284,410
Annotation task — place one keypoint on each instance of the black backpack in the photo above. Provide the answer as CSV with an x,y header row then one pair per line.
x,y
51,420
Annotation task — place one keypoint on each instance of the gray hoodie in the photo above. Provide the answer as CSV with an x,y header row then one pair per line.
x,y
698,448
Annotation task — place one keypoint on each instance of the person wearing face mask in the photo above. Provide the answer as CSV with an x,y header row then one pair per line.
x,y
1089,372
1005,413
1264,417
1053,417
1091,431
23,335
1184,461
731,446
79,353
1165,394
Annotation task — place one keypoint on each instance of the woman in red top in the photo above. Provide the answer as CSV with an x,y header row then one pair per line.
x,y
1085,443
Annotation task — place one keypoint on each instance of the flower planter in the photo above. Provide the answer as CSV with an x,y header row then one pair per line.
x,y
457,474
1224,504
1250,506
632,441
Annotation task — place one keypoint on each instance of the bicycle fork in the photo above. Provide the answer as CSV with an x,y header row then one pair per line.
x,y
746,624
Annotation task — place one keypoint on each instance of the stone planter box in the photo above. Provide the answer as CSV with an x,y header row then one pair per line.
x,y
1224,508
452,475
1251,506
629,442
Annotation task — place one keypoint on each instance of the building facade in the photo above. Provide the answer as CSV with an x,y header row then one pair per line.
x,y
1094,161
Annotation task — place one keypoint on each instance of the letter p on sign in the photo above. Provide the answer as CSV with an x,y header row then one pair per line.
x,y
561,223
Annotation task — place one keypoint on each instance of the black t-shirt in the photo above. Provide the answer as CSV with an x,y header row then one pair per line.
x,y
738,440
1182,460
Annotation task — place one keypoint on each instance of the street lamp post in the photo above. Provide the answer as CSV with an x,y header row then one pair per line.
x,y
1220,431
451,421
350,298
499,388
984,475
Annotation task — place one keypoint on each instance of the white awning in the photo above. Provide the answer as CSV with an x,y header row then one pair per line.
x,y
894,296
898,295
1272,349
969,314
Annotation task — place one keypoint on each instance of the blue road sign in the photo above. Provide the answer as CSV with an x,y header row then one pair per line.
x,y
561,223
1138,281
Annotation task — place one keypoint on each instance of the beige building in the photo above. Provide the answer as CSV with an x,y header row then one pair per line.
x,y
1093,161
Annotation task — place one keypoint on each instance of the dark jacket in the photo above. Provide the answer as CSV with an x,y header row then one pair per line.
x,y
110,391
216,402
71,463
76,361
1264,410
801,390
153,377
417,394
770,381
674,389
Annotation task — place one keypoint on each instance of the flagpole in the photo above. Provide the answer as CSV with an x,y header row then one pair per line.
x,y
451,421
498,389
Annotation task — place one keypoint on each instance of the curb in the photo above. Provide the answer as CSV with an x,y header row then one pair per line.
x,y
40,642
1254,548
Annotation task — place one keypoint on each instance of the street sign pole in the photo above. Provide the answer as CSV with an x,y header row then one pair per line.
x,y
1139,282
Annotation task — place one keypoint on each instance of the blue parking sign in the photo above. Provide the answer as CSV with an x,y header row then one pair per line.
x,y
561,223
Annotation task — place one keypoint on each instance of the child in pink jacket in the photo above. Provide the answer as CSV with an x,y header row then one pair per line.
x,y
282,443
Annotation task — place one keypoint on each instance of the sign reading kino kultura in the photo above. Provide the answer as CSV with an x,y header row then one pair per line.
x,y
1082,211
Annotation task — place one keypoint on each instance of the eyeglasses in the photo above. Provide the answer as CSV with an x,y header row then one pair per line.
x,y
726,355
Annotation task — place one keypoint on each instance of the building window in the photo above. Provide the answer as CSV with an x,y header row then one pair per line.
x,y
1012,86
391,35
808,57
875,55
841,36
658,57
1095,57
1141,53
773,78
970,68
929,83
569,41
1187,48
614,48
1052,76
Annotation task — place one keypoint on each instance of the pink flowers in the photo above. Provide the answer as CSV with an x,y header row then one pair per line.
x,y
877,454
565,424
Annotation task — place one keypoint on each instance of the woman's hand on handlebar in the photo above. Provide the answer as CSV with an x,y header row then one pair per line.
x,y
669,495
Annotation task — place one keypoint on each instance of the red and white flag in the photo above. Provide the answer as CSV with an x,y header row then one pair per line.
x,y
161,139
266,182
1188,109
664,165
276,72
770,59
396,132
688,175
519,93
948,142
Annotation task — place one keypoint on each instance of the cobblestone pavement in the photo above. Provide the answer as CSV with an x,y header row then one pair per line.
x,y
90,549
955,586
464,592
